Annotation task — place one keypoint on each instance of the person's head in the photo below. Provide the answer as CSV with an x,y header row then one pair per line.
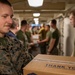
x,y
28,27
24,25
15,26
47,27
53,23
72,17
42,25
6,13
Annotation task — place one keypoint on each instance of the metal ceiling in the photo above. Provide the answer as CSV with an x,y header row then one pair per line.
x,y
48,11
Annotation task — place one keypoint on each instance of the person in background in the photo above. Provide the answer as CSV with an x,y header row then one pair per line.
x,y
14,28
22,36
72,21
72,17
53,50
29,37
48,36
42,36
34,30
28,34
12,55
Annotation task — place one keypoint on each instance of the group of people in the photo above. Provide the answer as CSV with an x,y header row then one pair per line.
x,y
14,46
50,41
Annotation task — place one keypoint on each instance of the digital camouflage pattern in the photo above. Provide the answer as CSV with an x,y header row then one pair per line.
x,y
12,56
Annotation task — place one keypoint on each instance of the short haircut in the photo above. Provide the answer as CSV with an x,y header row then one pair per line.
x,y
23,22
48,26
72,12
53,21
5,2
14,23
43,25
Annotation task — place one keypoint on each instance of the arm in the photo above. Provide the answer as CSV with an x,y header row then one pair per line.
x,y
6,66
51,45
45,40
48,34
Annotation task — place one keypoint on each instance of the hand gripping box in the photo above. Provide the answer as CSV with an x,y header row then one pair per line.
x,y
50,65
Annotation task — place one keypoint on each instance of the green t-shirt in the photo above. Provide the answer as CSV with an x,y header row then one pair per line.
x,y
28,34
48,35
22,36
56,35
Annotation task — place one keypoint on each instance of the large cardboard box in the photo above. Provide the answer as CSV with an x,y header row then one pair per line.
x,y
50,65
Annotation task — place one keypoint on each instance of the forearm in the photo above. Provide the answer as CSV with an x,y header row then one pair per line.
x,y
45,40
51,45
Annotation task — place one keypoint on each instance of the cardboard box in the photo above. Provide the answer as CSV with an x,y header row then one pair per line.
x,y
50,65
35,38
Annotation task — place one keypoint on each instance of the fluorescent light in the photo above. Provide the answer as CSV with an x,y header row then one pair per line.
x,y
36,22
36,14
36,19
35,3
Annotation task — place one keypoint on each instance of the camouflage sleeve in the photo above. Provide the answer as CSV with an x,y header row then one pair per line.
x,y
6,66
20,57
26,56
23,60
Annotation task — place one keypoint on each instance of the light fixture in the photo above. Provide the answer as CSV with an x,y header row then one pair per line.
x,y
36,19
36,22
35,3
36,14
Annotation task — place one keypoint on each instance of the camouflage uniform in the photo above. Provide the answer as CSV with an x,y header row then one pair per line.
x,y
12,56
